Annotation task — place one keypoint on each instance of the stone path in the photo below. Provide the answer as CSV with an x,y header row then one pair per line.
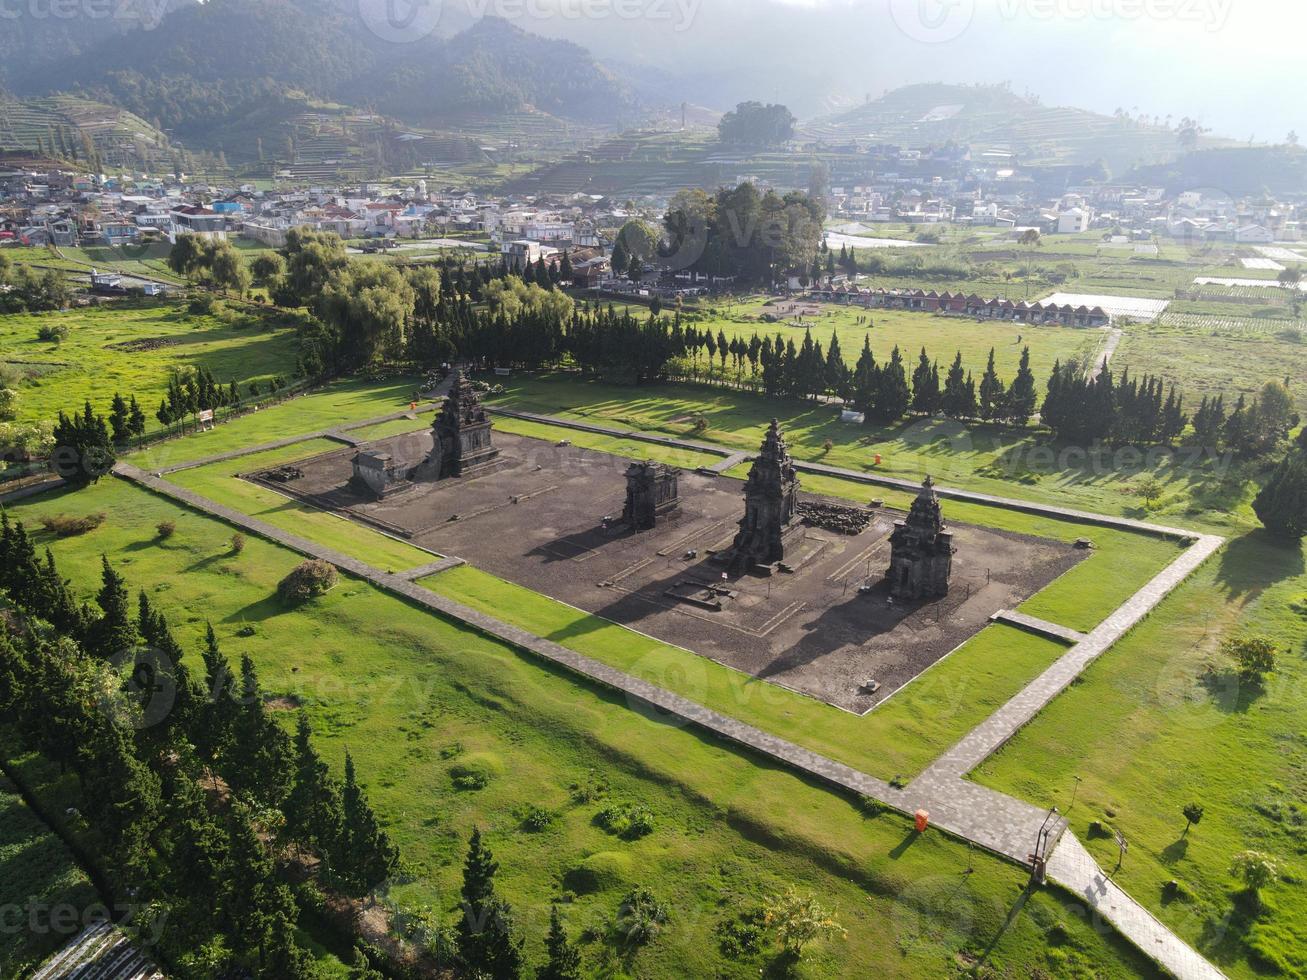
x,y
1105,355
435,568
1072,867
729,463
1041,627
990,819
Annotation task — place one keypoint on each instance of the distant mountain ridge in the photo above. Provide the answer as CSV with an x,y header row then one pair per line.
x,y
993,119
206,65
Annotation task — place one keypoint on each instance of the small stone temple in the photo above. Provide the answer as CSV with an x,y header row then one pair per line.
x,y
921,550
461,433
651,492
771,498
381,473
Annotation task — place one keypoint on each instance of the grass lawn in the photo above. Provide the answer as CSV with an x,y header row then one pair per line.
x,y
219,482
1160,721
633,448
1212,494
941,336
38,877
325,408
93,363
413,696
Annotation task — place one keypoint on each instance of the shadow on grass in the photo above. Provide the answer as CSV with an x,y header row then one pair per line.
x,y
258,612
1253,562
902,846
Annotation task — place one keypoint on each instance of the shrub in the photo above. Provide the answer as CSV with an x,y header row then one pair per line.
x,y
1253,655
200,305
475,771
537,818
640,917
237,543
53,333
700,424
309,580
166,529
66,525
629,820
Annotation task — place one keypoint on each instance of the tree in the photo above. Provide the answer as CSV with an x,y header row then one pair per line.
x,y
564,958
926,396
1255,869
1021,396
113,633
1281,505
755,124
1193,813
366,856
135,419
893,397
993,394
267,268
484,932
119,419
799,920
1253,655
955,402
313,808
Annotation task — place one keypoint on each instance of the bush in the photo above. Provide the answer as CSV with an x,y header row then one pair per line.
x,y
166,529
629,820
309,580
237,543
200,305
640,917
53,333
66,525
537,819
1253,655
475,771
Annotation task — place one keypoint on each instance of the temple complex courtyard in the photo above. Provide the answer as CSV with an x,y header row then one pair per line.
x,y
822,621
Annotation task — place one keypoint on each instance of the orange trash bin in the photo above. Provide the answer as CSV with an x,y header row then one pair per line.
x,y
923,821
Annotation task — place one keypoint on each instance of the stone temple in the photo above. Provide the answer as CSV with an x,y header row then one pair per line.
x,y
651,492
461,433
771,498
921,550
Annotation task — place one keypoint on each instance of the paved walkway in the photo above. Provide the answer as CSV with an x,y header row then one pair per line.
x,y
1114,336
1041,627
1072,867
729,463
990,819
435,568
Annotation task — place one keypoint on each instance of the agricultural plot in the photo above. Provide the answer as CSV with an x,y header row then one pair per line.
x,y
1215,355
1134,307
39,877
133,350
1242,287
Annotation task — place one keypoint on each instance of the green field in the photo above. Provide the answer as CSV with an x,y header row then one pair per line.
x,y
1198,493
133,350
39,880
1160,721
421,695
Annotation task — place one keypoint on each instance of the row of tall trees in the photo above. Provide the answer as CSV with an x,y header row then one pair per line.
x,y
25,290
193,793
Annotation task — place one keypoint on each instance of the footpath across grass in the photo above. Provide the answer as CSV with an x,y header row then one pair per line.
x,y
415,697
1161,721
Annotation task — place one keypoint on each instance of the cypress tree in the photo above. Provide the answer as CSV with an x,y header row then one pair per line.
x,y
1021,396
926,395
564,958
113,633
954,401
1281,505
992,392
313,808
366,857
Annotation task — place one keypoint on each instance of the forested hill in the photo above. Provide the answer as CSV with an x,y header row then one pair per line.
x,y
207,63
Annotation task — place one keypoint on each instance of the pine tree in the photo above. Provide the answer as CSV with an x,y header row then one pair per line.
x,y
992,392
113,634
954,401
1021,396
313,808
135,419
893,396
119,420
926,396
366,857
564,958
837,373
214,733
1281,505
866,381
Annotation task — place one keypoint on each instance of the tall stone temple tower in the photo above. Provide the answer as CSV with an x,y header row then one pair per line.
x,y
771,497
461,432
921,550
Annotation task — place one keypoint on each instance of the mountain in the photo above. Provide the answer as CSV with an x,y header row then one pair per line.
x,y
207,66
995,120
68,128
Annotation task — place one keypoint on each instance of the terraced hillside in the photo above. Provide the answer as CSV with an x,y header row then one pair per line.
x,y
995,120
61,126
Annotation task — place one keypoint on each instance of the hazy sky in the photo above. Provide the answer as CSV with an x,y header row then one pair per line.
x,y
1235,64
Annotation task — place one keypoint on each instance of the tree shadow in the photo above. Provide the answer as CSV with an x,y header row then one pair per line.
x,y
259,611
1253,562
1175,850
